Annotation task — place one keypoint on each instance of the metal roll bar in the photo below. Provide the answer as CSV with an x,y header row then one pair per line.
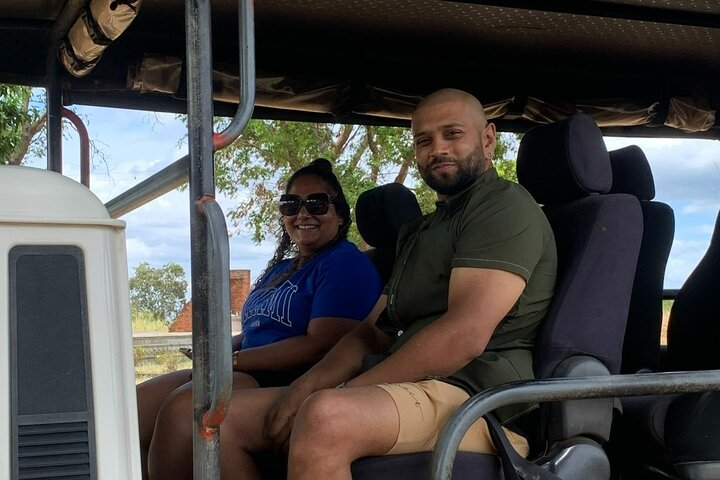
x,y
84,144
246,47
212,372
556,389
176,174
169,178
53,92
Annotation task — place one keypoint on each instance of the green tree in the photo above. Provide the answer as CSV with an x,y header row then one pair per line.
x,y
159,291
255,168
22,123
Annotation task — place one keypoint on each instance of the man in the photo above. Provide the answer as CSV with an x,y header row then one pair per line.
x,y
470,286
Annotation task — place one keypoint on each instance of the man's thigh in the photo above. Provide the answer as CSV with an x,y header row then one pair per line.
x,y
359,421
425,407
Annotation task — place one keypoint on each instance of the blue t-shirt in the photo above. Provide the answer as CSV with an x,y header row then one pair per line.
x,y
339,282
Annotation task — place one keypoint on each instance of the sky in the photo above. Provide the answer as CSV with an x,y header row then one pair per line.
x,y
138,144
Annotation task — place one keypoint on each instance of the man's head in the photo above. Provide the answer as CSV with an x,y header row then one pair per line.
x,y
453,141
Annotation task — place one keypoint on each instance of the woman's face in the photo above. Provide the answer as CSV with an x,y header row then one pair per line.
x,y
311,232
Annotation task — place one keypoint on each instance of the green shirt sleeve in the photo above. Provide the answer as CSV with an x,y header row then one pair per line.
x,y
500,231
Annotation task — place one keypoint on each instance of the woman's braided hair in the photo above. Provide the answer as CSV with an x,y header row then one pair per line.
x,y
322,169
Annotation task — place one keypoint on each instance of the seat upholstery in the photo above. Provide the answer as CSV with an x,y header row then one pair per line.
x,y
680,434
694,328
380,214
566,166
632,174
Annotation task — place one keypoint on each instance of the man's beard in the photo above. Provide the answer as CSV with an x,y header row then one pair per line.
x,y
450,183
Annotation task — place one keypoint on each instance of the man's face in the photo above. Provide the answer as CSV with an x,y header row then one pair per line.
x,y
452,146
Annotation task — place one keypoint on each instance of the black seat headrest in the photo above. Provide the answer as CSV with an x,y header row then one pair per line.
x,y
381,211
564,161
631,173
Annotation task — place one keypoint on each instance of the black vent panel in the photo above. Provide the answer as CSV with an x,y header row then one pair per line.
x,y
58,450
52,428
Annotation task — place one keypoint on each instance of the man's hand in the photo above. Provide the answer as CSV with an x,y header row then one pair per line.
x,y
280,418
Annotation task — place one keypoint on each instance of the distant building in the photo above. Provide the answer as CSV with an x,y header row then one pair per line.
x,y
239,288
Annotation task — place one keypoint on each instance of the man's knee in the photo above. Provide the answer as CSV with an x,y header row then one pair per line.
x,y
325,412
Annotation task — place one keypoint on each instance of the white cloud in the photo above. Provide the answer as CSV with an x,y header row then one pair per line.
x,y
687,177
684,257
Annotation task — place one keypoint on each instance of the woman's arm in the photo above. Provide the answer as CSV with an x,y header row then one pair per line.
x,y
322,334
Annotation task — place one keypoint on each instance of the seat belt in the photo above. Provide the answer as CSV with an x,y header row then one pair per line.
x,y
514,466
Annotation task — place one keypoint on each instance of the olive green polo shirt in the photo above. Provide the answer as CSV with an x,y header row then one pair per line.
x,y
492,224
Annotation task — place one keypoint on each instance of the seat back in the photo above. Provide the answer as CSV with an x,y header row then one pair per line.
x,y
566,167
380,214
694,327
632,174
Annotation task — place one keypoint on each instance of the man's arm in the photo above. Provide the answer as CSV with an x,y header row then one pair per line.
x,y
478,300
341,363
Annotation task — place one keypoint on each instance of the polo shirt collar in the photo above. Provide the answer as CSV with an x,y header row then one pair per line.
x,y
455,202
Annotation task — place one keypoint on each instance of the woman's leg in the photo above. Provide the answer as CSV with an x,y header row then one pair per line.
x,y
170,455
150,396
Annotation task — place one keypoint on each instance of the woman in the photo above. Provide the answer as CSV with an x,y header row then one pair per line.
x,y
315,289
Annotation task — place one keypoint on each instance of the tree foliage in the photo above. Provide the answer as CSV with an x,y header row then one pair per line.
x,y
21,124
159,291
255,168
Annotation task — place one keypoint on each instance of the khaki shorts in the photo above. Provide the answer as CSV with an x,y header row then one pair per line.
x,y
425,407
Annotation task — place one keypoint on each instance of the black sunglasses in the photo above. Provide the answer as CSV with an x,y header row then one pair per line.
x,y
315,204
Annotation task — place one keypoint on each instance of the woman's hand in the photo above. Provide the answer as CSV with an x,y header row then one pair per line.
x,y
237,342
280,417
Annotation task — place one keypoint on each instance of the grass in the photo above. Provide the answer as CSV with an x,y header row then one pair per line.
x,y
667,305
147,367
147,322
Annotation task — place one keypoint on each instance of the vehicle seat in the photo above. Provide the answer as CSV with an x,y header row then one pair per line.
x,y
566,167
694,329
380,213
678,435
632,174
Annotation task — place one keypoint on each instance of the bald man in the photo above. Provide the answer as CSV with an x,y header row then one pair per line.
x,y
471,283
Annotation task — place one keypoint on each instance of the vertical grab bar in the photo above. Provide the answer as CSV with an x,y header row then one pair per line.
x,y
206,380
246,46
218,261
212,372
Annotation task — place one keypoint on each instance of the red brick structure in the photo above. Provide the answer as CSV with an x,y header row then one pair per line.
x,y
239,289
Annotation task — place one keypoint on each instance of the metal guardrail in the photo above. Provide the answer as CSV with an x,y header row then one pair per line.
x,y
556,389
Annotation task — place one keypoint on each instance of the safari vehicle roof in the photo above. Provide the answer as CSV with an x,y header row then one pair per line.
x,y
633,64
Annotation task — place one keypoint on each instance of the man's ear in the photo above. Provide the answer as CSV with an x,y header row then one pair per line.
x,y
490,135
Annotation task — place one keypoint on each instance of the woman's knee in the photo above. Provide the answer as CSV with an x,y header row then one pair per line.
x,y
176,413
244,380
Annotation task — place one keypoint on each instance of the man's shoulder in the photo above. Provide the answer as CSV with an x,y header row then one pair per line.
x,y
500,195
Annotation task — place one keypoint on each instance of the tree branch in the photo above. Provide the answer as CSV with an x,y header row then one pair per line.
x,y
30,129
404,167
342,141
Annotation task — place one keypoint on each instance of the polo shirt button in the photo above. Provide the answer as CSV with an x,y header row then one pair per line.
x,y
400,332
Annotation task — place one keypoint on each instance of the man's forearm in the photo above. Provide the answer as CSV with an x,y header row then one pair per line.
x,y
344,361
436,350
